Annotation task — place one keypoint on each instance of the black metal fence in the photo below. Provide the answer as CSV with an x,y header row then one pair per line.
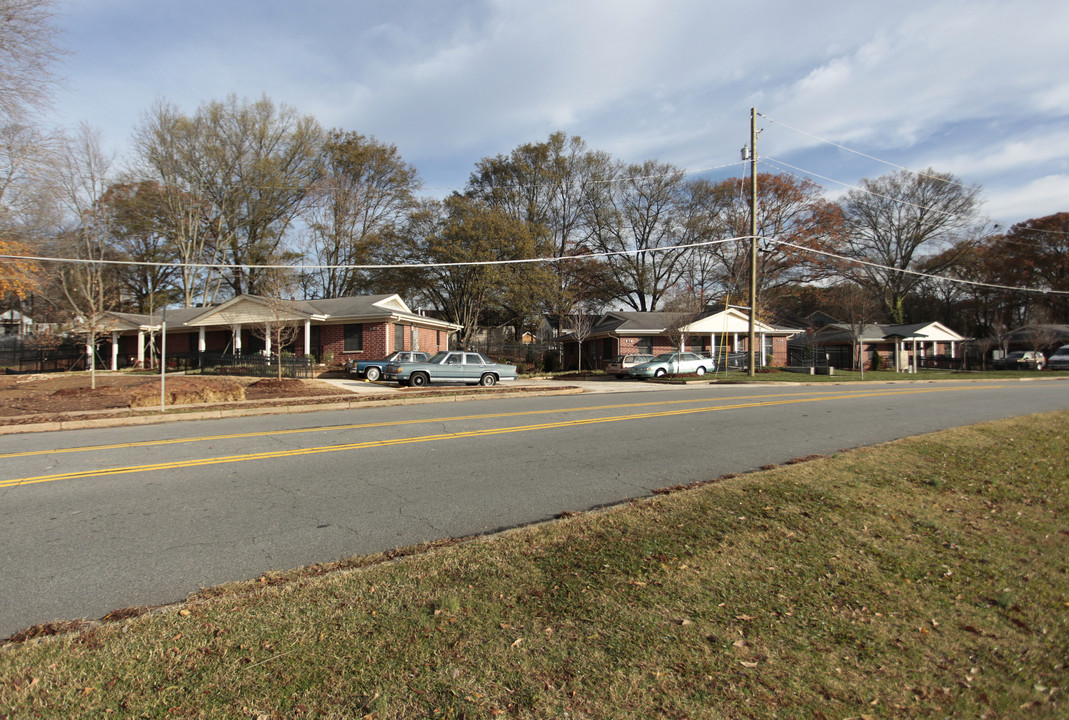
x,y
20,356
533,357
256,365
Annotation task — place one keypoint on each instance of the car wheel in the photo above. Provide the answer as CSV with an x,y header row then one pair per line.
x,y
700,371
487,380
660,372
372,373
418,379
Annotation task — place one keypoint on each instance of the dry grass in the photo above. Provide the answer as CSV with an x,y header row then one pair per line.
x,y
148,395
923,578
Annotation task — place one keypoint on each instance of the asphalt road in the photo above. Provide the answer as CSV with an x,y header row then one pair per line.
x,y
97,520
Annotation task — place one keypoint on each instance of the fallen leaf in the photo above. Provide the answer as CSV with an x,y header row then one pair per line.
x,y
748,664
518,641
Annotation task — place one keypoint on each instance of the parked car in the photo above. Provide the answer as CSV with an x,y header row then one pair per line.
x,y
451,366
372,369
673,364
1021,360
1060,359
623,363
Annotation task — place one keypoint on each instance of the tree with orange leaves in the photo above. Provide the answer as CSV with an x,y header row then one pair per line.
x,y
18,277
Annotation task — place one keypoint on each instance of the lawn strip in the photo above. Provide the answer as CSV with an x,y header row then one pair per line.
x,y
921,578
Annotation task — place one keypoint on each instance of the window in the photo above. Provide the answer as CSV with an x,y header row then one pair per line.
x,y
645,345
398,337
354,338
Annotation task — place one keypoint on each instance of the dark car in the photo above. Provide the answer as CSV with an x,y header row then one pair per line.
x,y
372,369
1060,359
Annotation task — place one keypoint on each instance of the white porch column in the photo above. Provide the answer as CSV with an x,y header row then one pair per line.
x,y
237,339
736,343
953,349
307,338
141,348
202,342
267,342
764,357
114,350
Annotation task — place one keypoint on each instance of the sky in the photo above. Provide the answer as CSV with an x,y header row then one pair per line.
x,y
844,90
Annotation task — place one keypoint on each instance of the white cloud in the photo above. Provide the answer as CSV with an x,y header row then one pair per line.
x,y
978,86
1040,197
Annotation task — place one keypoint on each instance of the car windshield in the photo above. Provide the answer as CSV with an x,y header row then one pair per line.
x,y
665,357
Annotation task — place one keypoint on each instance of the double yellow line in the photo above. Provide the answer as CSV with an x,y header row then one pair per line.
x,y
767,401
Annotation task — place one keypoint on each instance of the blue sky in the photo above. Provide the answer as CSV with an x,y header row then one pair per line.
x,y
977,88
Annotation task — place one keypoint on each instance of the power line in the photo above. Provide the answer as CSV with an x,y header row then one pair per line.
x,y
918,273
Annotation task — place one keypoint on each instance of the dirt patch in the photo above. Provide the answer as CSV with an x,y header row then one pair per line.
x,y
61,394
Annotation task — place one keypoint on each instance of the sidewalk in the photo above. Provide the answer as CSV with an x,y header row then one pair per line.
x,y
361,394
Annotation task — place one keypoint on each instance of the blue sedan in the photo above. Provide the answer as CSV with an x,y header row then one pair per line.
x,y
451,366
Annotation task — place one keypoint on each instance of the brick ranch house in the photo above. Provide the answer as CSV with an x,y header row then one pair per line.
x,y
347,328
628,332
902,347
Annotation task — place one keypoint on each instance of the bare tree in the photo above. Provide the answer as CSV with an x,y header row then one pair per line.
x,y
27,51
84,180
680,310
170,148
897,220
858,309
283,323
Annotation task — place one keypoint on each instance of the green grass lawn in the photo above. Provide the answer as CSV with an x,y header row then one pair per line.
x,y
923,578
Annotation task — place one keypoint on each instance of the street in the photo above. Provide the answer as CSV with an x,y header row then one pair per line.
x,y
96,520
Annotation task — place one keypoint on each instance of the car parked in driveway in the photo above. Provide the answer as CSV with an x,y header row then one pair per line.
x,y
372,369
623,363
451,366
1021,360
683,363
1060,359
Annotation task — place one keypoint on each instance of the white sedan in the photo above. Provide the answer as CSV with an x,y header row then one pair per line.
x,y
684,363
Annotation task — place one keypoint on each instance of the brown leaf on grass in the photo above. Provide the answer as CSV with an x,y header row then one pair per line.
x,y
748,664
518,641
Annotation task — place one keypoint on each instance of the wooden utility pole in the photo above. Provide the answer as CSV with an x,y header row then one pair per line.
x,y
753,240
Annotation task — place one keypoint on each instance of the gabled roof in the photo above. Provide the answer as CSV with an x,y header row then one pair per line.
x,y
626,322
735,321
838,333
362,308
251,309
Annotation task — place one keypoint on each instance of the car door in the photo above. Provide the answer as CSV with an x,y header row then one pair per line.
x,y
474,364
452,368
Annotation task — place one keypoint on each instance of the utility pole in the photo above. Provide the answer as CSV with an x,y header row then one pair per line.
x,y
753,240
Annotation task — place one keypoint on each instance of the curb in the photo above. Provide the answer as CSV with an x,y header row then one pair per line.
x,y
180,412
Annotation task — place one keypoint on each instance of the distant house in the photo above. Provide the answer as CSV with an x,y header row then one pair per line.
x,y
14,323
622,332
1047,338
903,347
343,328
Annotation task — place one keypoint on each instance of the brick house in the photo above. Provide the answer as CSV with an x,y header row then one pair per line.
x,y
903,347
621,332
341,329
